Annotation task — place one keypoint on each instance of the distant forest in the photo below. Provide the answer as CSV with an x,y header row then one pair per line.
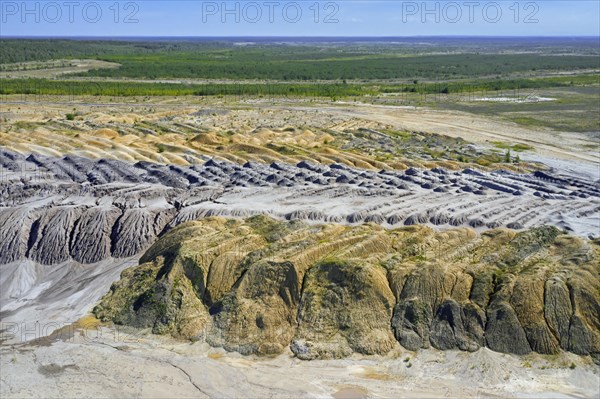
x,y
301,62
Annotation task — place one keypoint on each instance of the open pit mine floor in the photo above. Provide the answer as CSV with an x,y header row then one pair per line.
x,y
104,363
221,261
71,225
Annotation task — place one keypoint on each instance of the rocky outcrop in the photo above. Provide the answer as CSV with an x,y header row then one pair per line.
x,y
87,234
169,291
259,314
345,308
90,237
51,233
133,232
327,291
15,228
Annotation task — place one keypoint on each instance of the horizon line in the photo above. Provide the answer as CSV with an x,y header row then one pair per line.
x,y
288,37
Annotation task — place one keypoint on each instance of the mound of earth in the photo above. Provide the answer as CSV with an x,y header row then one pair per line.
x,y
259,285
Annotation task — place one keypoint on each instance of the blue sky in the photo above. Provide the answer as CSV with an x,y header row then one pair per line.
x,y
299,18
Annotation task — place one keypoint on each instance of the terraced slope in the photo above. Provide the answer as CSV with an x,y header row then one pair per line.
x,y
327,291
55,209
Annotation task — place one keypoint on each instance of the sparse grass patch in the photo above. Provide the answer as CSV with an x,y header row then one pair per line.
x,y
518,147
528,121
282,149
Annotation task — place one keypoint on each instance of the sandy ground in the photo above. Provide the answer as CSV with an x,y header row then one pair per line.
x,y
53,296
252,113
56,68
103,362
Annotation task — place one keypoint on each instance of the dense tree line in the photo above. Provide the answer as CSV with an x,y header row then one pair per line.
x,y
329,90
236,65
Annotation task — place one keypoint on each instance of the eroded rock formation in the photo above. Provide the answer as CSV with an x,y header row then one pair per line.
x,y
327,291
56,209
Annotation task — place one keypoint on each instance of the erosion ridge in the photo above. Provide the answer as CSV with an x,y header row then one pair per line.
x,y
327,291
183,136
53,209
